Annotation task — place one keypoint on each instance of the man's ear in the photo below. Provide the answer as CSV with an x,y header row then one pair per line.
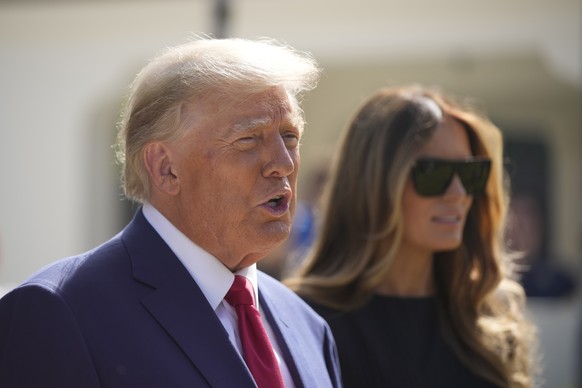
x,y
158,161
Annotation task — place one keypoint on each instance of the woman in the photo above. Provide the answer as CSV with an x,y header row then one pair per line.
x,y
410,269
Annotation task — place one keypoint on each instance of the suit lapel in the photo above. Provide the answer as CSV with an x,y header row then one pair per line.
x,y
180,307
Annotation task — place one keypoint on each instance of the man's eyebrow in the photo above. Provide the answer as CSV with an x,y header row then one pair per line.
x,y
251,124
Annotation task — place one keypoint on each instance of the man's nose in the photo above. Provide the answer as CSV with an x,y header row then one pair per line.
x,y
279,160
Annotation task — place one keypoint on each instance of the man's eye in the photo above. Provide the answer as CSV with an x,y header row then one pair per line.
x,y
245,143
291,138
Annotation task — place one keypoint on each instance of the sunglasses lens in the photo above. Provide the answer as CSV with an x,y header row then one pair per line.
x,y
474,175
432,177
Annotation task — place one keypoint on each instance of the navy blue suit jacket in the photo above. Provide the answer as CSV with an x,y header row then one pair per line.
x,y
128,314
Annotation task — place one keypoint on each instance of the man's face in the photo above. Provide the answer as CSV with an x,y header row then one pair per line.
x,y
237,174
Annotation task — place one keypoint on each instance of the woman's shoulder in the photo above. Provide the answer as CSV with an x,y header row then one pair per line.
x,y
327,312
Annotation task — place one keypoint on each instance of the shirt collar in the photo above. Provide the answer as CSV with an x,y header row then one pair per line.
x,y
213,277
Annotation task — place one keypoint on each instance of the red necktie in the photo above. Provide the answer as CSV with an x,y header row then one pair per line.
x,y
258,352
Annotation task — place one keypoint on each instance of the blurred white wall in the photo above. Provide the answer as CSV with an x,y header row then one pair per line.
x,y
65,67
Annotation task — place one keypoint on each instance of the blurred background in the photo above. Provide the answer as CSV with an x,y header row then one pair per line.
x,y
65,67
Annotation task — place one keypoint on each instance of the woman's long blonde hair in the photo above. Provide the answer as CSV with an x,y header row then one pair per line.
x,y
481,307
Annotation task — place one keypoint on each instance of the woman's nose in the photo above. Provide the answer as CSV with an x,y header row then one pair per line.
x,y
456,187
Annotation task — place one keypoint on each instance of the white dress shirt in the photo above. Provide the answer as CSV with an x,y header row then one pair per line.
x,y
214,279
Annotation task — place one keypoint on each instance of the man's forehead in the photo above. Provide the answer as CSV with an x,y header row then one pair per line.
x,y
247,114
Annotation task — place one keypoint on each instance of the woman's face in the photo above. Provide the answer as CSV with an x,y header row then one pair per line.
x,y
435,223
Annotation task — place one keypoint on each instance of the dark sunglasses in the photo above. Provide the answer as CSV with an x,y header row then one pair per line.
x,y
432,177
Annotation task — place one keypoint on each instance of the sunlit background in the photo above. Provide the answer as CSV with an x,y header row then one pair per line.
x,y
65,67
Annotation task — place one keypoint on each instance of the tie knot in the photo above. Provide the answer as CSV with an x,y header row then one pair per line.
x,y
241,292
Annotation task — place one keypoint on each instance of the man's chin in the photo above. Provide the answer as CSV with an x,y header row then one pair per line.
x,y
274,234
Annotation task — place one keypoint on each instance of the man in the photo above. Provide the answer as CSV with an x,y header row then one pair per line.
x,y
209,143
